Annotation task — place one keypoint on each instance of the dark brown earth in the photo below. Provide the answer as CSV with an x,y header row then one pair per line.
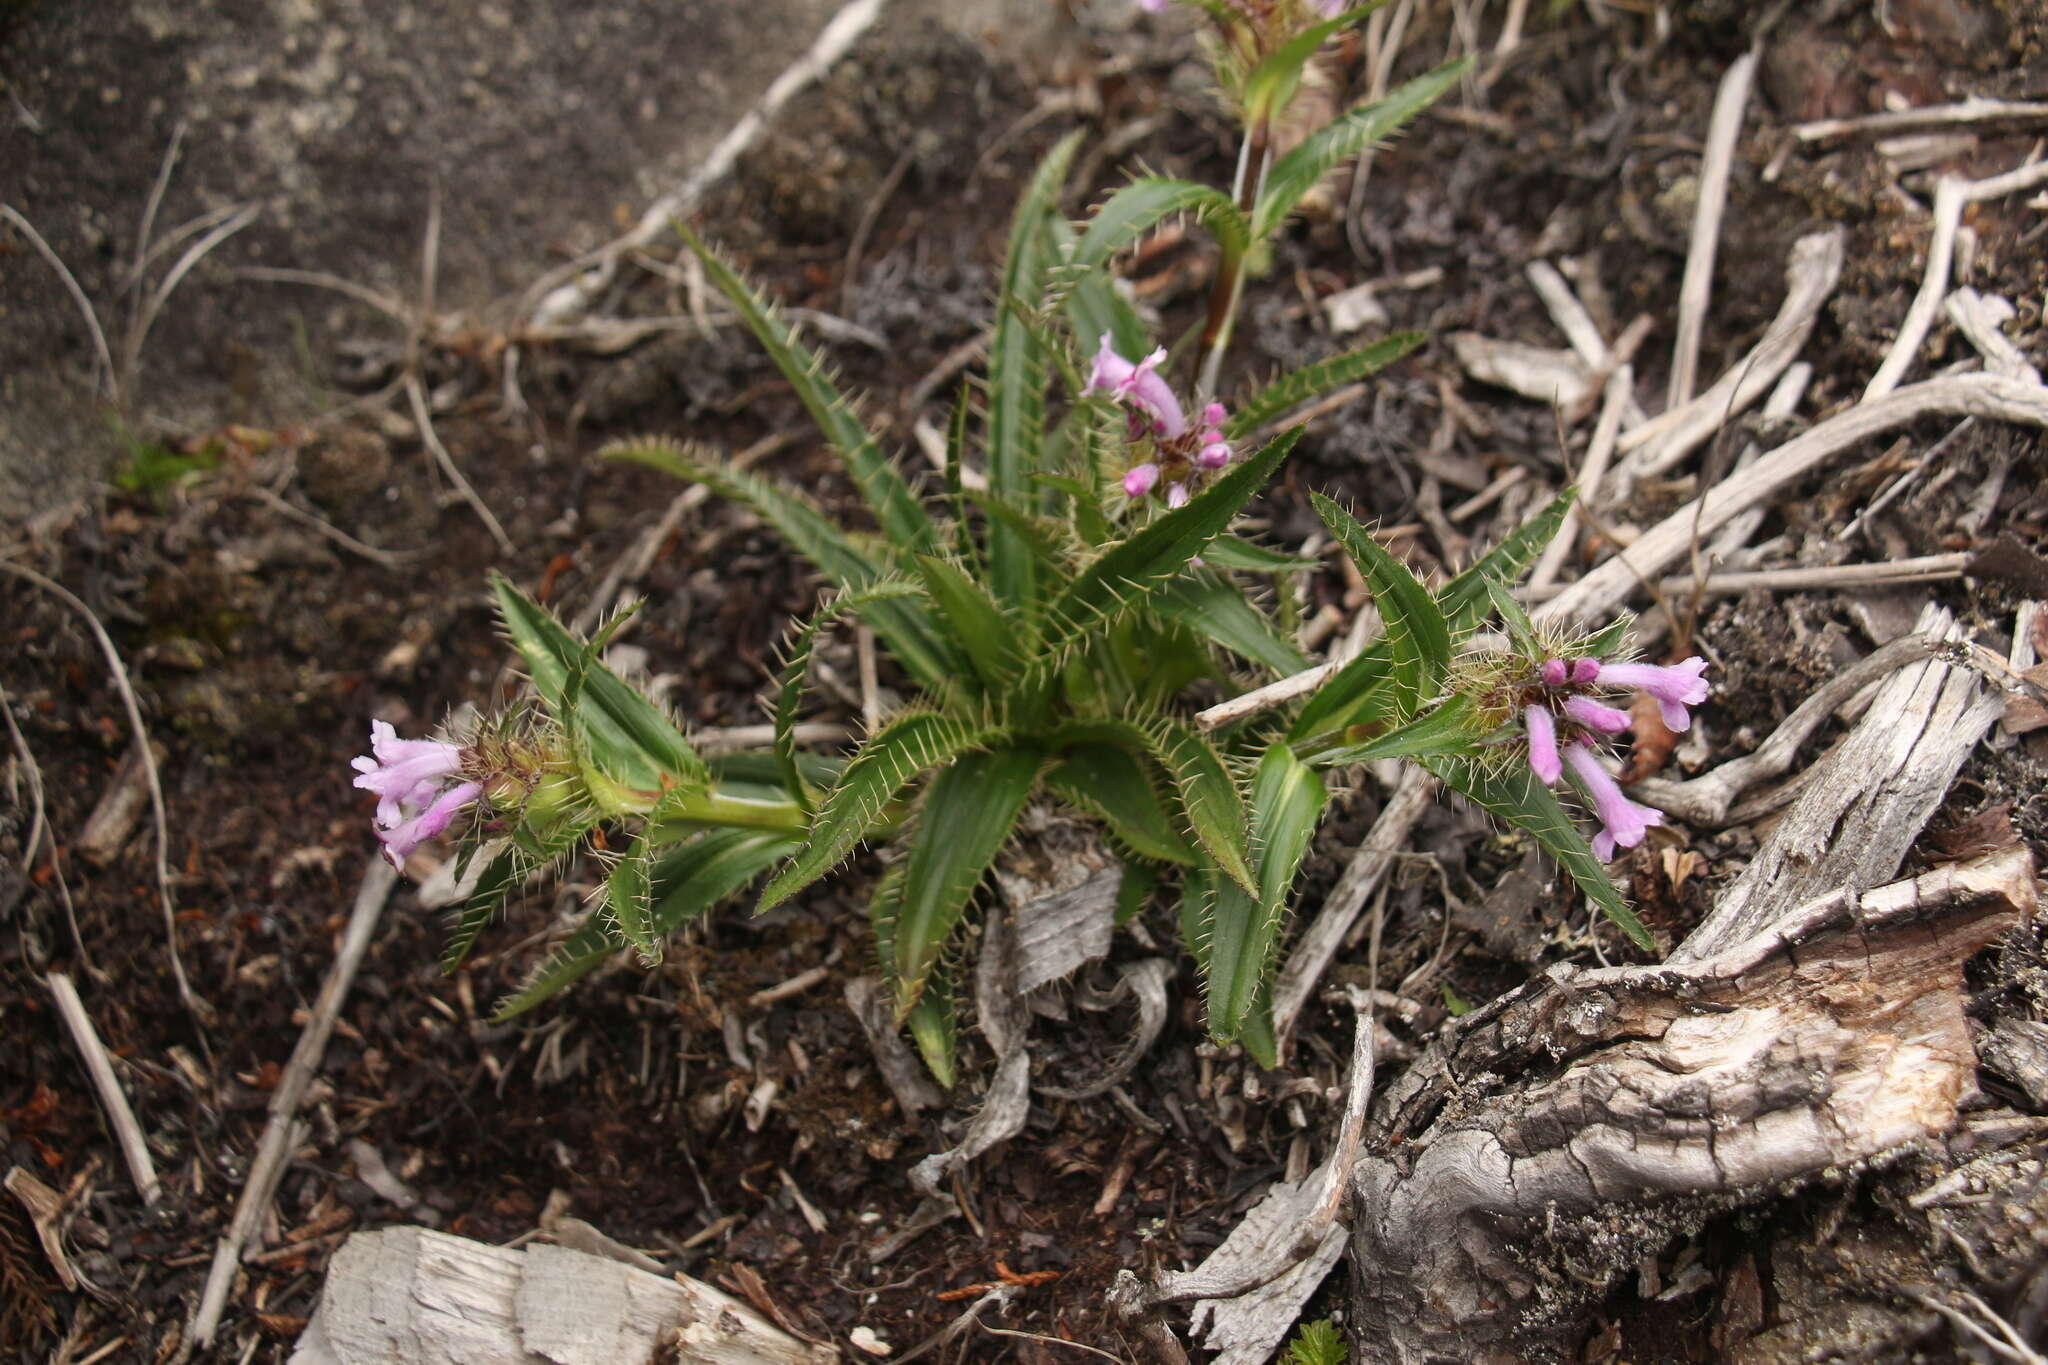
x,y
260,650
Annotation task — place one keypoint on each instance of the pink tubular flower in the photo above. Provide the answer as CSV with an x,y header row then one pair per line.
x,y
1594,716
1176,495
1140,386
1623,822
1675,687
411,777
1139,479
1543,760
1556,672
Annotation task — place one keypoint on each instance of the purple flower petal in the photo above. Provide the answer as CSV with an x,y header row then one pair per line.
x,y
1556,672
1138,385
1176,495
1585,670
1214,456
1139,480
1681,682
404,772
1543,760
402,839
1622,821
1595,716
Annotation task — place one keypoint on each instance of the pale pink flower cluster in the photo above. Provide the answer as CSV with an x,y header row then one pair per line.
x,y
1179,453
1562,721
419,785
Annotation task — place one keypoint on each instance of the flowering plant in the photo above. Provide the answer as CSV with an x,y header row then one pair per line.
x,y
1053,615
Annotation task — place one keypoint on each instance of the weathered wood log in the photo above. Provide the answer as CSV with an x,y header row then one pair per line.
x,y
1862,807
409,1296
1547,1141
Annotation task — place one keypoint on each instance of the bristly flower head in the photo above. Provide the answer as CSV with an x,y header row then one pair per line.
x,y
1177,455
1558,692
513,768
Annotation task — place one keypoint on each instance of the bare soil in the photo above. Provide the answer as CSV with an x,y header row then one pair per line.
x,y
261,649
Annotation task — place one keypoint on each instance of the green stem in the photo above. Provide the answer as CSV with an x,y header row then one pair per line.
x,y
1228,291
728,811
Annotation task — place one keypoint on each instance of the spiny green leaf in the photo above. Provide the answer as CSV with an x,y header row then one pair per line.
x,y
1466,600
1016,372
685,882
1448,729
1241,929
627,900
967,817
992,640
1209,796
1271,85
1140,206
883,766
1234,552
1295,174
1417,635
790,688
1139,880
1348,698
934,1024
1117,787
1520,628
1311,382
1133,568
1518,798
901,516
509,865
1216,609
904,626
632,739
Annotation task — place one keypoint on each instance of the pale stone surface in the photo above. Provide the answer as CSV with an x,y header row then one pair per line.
x,y
542,123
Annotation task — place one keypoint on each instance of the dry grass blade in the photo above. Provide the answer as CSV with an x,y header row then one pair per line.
x,y
145,317
150,207
201,1012
38,828
320,279
27,229
417,395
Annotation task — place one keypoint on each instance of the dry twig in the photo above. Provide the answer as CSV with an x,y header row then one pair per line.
x,y
1723,128
1810,277
114,1100
1978,395
567,290
275,1145
1952,194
